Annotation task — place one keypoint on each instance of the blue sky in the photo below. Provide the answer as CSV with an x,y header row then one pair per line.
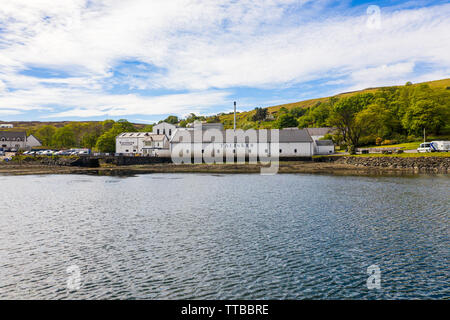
x,y
143,60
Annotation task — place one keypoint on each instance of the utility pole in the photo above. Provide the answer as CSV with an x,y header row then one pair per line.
x,y
424,139
234,125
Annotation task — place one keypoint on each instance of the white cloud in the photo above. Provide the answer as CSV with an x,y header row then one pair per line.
x,y
203,47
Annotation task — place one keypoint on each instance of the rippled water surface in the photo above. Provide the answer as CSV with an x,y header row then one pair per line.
x,y
191,236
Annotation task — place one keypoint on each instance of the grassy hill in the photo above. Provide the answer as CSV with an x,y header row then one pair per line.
x,y
242,117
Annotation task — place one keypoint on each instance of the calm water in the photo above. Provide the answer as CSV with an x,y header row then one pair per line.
x,y
191,236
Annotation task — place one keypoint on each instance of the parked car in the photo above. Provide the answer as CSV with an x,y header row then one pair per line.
x,y
425,147
2,153
47,153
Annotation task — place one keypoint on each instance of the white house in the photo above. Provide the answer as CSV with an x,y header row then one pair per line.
x,y
13,140
144,143
164,128
6,126
32,141
322,147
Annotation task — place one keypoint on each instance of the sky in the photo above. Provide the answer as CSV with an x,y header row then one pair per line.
x,y
143,60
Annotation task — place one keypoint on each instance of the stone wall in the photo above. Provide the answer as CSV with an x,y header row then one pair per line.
x,y
434,164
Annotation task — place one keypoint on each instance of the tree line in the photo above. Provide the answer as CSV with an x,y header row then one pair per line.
x,y
389,115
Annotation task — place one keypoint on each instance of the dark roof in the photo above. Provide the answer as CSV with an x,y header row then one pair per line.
x,y
324,143
320,131
285,135
295,135
13,135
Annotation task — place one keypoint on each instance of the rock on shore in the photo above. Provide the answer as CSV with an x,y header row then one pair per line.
x,y
427,164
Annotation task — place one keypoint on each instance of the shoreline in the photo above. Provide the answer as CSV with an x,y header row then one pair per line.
x,y
341,167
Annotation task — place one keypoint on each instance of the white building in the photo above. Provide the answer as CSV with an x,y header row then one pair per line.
x,y
143,143
214,142
13,140
322,147
164,128
156,145
6,126
32,141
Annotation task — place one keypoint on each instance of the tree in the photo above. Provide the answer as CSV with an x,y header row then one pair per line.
x,y
107,124
286,120
425,114
344,118
378,120
171,119
260,114
107,142
45,134
297,111
64,138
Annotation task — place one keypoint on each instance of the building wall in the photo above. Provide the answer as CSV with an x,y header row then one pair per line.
x,y
134,145
324,150
164,128
33,142
13,144
129,144
291,149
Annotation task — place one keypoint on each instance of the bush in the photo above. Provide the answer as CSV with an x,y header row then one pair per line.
x,y
378,141
388,142
367,140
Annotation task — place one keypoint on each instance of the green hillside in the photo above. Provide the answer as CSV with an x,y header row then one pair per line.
x,y
243,117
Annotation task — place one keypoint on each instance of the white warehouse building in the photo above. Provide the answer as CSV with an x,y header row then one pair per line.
x,y
143,143
291,143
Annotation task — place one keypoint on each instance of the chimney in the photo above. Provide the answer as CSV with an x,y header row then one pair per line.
x,y
234,126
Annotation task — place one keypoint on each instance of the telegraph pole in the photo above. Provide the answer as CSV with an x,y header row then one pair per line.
x,y
234,125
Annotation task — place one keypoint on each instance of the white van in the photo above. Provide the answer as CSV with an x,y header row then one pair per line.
x,y
425,147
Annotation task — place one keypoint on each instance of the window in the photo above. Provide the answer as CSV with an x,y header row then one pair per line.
x,y
187,151
281,150
157,131
170,132
164,131
218,150
126,150
295,150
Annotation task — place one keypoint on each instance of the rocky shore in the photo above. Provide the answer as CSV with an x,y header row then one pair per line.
x,y
417,164
339,165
